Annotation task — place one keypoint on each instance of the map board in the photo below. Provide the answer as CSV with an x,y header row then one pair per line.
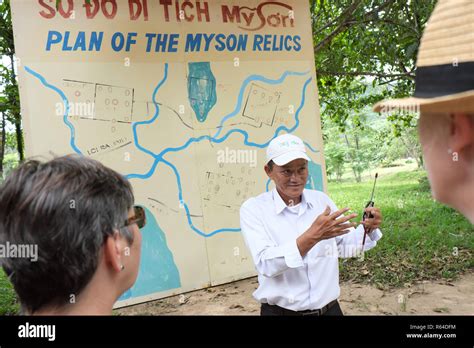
x,y
182,98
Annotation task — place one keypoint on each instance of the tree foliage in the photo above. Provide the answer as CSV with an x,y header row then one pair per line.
x,y
359,43
10,100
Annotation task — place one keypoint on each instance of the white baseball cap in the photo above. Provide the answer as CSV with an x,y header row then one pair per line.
x,y
286,148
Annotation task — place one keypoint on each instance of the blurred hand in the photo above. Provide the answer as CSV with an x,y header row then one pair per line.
x,y
325,226
329,225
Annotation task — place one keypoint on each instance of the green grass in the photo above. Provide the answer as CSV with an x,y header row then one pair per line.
x,y
8,300
422,238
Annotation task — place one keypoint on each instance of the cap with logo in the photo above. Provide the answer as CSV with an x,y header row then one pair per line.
x,y
286,148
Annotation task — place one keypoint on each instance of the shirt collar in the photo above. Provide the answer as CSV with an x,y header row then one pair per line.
x,y
280,205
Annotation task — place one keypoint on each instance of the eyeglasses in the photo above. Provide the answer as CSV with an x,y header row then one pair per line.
x,y
139,218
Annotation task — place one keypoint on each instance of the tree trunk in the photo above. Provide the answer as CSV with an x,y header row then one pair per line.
x,y
413,152
350,155
2,145
359,173
421,163
17,116
19,140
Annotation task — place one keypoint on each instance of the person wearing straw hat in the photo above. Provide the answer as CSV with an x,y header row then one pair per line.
x,y
444,96
296,235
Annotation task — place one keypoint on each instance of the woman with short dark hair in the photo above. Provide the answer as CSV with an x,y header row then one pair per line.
x,y
79,215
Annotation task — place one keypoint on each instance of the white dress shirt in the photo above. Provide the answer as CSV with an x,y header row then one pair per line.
x,y
270,229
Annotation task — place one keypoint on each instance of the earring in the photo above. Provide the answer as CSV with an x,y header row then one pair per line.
x,y
122,267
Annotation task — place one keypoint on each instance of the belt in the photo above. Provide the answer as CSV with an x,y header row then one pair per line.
x,y
314,312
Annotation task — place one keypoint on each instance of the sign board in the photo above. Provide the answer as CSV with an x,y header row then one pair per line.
x,y
181,97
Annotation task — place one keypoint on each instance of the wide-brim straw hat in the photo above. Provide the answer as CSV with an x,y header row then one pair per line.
x,y
445,67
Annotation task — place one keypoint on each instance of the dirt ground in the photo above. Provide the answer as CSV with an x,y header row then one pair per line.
x,y
429,297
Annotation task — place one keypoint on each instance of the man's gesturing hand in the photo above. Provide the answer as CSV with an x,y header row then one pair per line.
x,y
325,226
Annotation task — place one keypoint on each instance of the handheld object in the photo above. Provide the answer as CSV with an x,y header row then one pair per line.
x,y
369,215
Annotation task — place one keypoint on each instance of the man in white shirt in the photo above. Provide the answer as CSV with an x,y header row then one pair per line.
x,y
296,235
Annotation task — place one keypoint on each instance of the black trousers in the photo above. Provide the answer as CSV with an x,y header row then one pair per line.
x,y
266,309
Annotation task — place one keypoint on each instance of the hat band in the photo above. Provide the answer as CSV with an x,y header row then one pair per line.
x,y
440,80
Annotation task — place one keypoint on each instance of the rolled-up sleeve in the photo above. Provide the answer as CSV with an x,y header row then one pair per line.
x,y
270,259
350,244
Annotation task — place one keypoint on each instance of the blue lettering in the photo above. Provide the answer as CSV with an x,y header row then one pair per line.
x,y
54,37
193,43
208,39
243,39
130,41
268,42
220,45
257,42
288,40
80,41
117,46
173,43
65,42
297,42
231,42
149,41
96,41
